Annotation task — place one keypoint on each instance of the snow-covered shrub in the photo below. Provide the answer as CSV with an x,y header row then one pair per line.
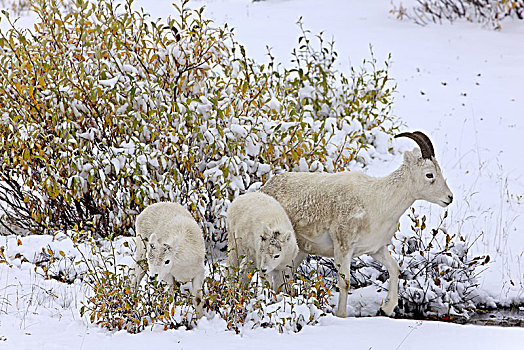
x,y
255,304
489,12
438,277
104,111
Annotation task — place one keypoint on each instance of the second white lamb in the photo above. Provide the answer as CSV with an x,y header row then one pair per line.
x,y
261,235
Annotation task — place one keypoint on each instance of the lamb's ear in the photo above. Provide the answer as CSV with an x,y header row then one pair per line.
x,y
266,232
153,239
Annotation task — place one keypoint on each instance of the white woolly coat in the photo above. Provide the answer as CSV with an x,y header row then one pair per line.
x,y
173,225
325,207
249,218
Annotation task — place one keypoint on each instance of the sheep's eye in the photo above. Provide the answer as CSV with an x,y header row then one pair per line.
x,y
152,246
277,256
429,175
167,262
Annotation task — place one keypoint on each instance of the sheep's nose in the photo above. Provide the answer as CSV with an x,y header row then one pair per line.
x,y
264,270
450,196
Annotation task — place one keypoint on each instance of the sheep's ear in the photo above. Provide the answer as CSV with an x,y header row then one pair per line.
x,y
411,157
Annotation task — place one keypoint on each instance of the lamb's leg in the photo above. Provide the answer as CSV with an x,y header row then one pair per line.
x,y
196,292
343,262
383,256
281,277
231,261
140,255
245,266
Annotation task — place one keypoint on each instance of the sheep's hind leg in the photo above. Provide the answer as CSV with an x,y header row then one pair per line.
x,y
343,262
383,256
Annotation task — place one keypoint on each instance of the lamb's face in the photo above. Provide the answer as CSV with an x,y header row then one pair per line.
x,y
160,258
275,247
428,183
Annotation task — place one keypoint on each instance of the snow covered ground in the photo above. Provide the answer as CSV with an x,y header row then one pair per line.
x,y
460,83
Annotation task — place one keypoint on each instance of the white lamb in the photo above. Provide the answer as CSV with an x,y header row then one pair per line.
x,y
172,242
260,230
348,214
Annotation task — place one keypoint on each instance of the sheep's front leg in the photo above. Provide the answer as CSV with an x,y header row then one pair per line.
x,y
383,256
343,262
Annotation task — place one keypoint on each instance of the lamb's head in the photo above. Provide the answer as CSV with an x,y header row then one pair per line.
x,y
276,246
160,257
427,181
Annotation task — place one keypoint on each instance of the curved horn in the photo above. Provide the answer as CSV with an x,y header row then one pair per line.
x,y
426,147
427,140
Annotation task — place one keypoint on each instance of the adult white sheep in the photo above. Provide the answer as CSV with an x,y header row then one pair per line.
x,y
171,241
259,229
347,214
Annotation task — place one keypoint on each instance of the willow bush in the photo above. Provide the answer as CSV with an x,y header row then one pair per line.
x,y
104,111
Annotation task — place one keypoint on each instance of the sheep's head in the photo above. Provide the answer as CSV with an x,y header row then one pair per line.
x,y
428,183
160,257
274,248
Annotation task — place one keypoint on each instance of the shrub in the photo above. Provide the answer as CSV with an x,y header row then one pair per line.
x,y
489,12
438,276
104,112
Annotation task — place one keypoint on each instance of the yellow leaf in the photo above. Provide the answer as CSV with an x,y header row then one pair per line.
x,y
62,253
26,155
19,241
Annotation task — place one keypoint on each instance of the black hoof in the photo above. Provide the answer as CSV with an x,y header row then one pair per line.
x,y
381,312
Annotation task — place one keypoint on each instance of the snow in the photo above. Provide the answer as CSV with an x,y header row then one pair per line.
x,y
109,82
460,83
